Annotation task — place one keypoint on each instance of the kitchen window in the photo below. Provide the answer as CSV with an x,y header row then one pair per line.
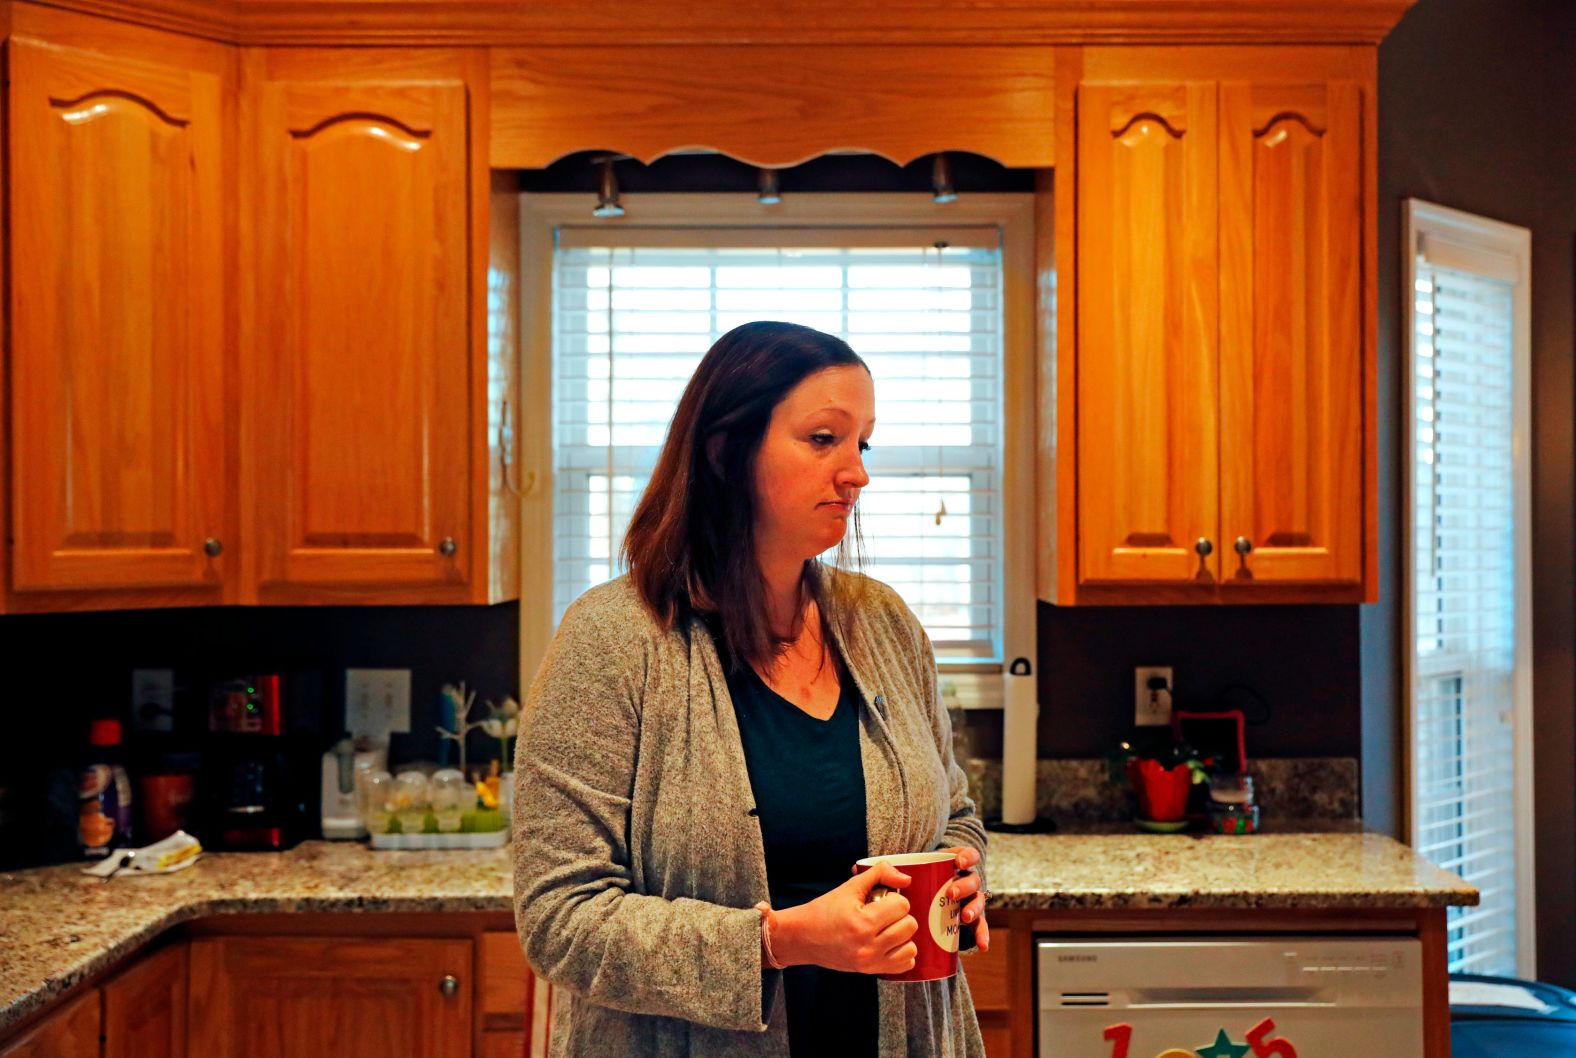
x,y
1468,575
926,294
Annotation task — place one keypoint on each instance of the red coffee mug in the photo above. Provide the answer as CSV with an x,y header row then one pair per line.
x,y
937,913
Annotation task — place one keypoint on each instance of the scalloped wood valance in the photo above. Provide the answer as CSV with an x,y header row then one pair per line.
x,y
816,22
773,106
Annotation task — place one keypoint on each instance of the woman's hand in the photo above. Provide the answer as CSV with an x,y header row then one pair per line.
x,y
842,932
967,889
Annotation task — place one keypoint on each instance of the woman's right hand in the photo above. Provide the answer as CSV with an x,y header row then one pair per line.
x,y
841,931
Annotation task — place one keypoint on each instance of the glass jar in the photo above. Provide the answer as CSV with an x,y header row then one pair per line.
x,y
412,799
1232,789
451,796
375,795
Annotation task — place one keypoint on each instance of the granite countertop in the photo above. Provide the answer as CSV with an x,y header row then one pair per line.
x,y
1332,864
59,926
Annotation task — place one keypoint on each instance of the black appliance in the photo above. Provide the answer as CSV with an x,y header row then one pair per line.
x,y
259,770
1494,1023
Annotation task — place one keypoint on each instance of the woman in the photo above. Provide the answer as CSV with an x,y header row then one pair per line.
x,y
714,738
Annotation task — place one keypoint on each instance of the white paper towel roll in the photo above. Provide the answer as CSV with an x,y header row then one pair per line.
x,y
1019,752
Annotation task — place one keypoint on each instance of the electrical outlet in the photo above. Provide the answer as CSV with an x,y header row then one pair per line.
x,y
153,699
1152,707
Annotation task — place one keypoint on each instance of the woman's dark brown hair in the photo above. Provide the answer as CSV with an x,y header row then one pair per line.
x,y
690,546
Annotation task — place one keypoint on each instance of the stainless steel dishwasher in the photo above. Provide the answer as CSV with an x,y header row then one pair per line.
x,y
1229,997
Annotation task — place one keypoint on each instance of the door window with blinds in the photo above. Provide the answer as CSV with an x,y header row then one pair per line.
x,y
1469,577
635,310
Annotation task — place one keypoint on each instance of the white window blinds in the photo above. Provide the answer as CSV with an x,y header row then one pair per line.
x,y
1464,616
635,310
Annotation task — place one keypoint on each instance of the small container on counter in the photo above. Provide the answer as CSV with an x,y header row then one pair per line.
x,y
1230,808
103,794
412,799
451,796
376,794
165,794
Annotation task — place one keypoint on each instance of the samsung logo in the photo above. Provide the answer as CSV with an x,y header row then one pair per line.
x,y
1077,958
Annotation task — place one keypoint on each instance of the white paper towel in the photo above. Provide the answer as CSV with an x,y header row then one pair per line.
x,y
1019,752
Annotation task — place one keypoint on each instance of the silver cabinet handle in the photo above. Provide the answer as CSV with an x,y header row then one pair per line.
x,y
449,986
213,547
1203,547
447,546
1243,545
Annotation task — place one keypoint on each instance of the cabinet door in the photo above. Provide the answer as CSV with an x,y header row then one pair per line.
x,y
145,1008
1291,349
1146,362
118,475
71,1032
301,997
362,348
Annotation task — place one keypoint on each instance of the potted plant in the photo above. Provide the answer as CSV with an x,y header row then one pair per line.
x,y
1162,770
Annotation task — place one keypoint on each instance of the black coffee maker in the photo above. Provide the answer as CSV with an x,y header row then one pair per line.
x,y
256,769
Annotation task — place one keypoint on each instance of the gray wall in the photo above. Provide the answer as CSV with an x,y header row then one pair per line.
x,y
1475,99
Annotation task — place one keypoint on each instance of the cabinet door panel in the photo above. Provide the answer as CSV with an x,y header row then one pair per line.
x,y
71,1032
298,997
1291,333
145,1008
363,436
118,322
997,1038
1147,319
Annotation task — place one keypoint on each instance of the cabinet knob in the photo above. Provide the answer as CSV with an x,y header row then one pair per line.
x,y
213,547
1203,547
449,985
447,545
1243,545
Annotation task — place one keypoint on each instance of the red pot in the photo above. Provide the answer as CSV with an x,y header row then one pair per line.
x,y
1162,792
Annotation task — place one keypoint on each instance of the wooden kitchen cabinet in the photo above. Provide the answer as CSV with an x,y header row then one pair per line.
x,y
1219,345
263,324
364,325
991,982
69,1032
355,997
119,139
145,1007
1292,353
1146,389
507,997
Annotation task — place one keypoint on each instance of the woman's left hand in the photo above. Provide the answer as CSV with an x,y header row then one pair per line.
x,y
966,889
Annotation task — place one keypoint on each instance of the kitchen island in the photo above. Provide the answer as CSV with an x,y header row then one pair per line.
x,y
62,930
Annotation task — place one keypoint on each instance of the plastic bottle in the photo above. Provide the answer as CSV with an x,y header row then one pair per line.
x,y
104,794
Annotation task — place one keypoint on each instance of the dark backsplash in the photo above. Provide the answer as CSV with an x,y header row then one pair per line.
x,y
1293,670
66,669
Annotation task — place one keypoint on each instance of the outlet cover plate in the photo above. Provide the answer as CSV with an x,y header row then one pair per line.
x,y
1145,713
153,699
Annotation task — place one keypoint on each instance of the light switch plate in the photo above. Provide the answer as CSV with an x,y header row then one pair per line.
x,y
377,701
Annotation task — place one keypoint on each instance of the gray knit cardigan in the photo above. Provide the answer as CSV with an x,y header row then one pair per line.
x,y
638,859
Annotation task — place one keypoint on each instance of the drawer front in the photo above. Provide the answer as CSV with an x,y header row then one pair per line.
x,y
506,978
987,973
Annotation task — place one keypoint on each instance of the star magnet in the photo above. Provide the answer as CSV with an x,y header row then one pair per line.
x,y
1223,1048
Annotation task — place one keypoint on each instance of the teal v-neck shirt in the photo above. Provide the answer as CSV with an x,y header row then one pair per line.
x,y
809,787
